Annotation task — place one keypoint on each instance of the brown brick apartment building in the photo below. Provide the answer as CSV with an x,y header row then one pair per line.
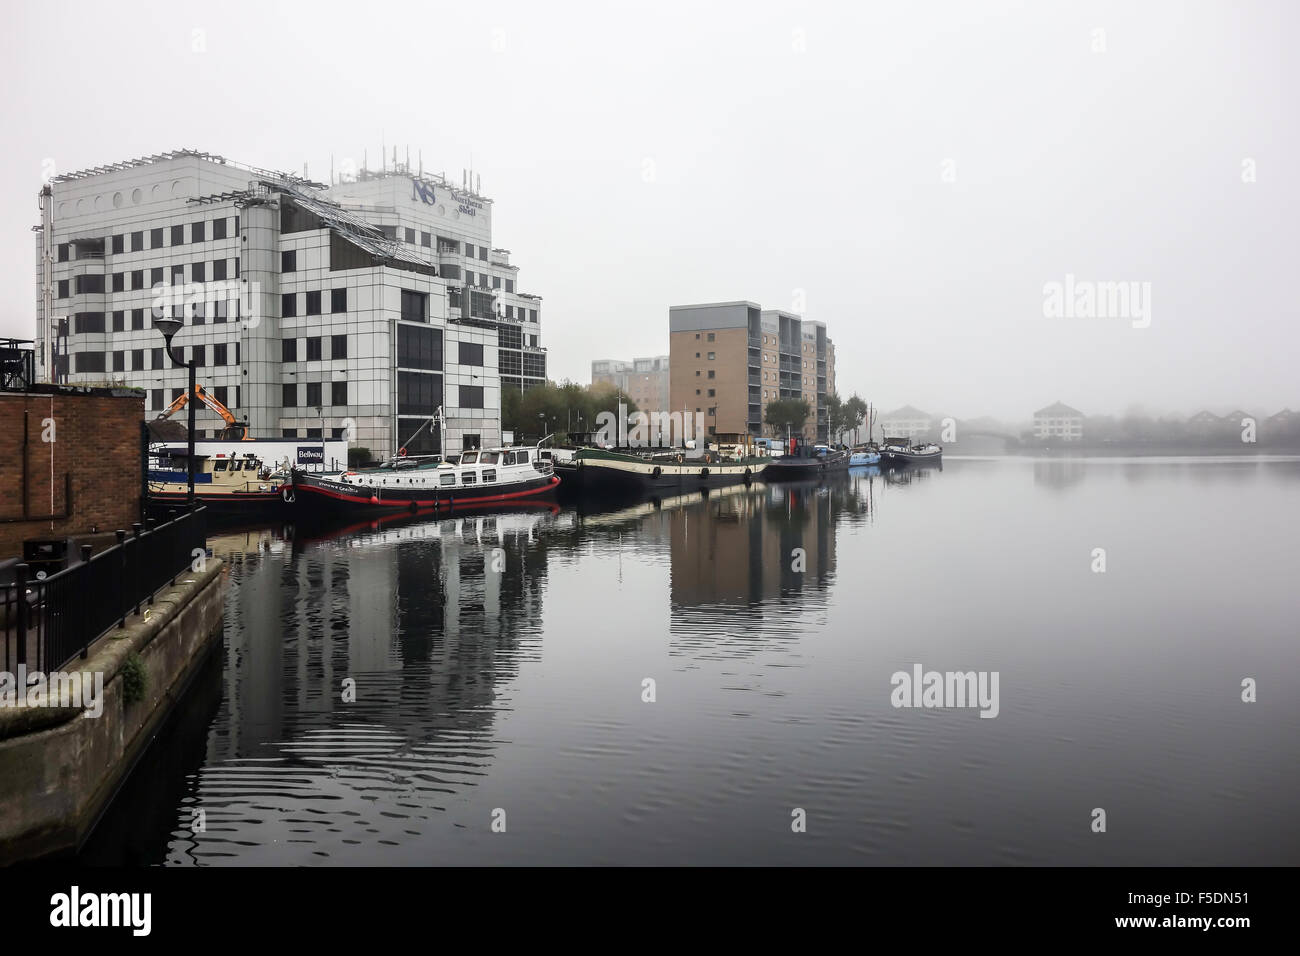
x,y
70,463
729,360
644,380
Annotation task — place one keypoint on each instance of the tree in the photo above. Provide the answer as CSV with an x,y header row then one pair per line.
x,y
787,412
549,408
856,411
834,416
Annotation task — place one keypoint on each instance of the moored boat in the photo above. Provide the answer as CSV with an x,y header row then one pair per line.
x,y
478,478
805,462
864,456
901,453
600,471
230,485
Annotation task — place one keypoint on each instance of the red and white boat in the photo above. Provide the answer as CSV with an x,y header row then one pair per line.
x,y
477,478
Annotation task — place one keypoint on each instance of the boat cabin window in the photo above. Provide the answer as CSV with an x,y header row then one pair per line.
x,y
236,465
219,464
489,474
468,477
488,458
447,479
469,458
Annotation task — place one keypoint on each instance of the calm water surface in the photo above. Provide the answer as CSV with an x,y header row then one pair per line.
x,y
521,690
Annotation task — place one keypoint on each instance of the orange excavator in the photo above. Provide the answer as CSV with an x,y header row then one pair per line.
x,y
235,430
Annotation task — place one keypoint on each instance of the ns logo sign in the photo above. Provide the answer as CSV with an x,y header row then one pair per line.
x,y
422,192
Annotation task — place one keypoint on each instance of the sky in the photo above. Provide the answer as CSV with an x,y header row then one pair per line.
x,y
923,177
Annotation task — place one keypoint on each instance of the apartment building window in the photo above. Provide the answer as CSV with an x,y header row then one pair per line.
x,y
471,396
87,284
288,350
496,282
219,353
119,361
199,355
469,277
197,231
712,356
338,300
712,392
510,285
289,260
697,354
156,399
414,306
219,229
178,235
118,245
137,241
482,253
178,275
469,250
471,353
712,374
313,303
313,394
697,391
313,351
713,412
137,279
199,272
426,239
119,321
119,281
532,315
289,305
697,373
409,235
64,286
712,336
137,360
289,396
137,320
218,270
63,252
338,346
155,276
338,393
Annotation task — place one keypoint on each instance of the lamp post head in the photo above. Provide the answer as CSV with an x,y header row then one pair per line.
x,y
168,327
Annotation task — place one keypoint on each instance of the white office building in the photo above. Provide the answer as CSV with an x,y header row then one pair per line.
x,y
352,311
1058,421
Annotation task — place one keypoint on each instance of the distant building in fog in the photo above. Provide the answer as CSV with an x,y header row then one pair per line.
x,y
906,422
1059,421
645,380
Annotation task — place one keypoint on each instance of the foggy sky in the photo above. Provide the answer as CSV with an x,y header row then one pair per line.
x,y
644,155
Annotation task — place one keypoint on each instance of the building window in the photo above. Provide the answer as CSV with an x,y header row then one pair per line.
x,y
313,351
338,300
137,360
313,303
289,396
712,356
288,350
118,244
289,260
219,229
178,275
63,252
119,361
712,374
469,277
137,279
178,235
64,286
288,305
338,393
156,399
199,355
155,276
89,362
471,396
220,393
712,392
426,239
119,281
199,272
711,336
409,235
338,346
469,250
418,393
414,306
471,353
313,394
482,253
119,322
219,354
82,285
218,270
89,322
510,285
496,282
419,347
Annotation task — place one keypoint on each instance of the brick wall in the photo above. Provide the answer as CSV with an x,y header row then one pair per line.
x,y
96,439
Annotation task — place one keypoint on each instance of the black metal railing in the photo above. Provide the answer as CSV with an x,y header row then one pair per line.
x,y
47,621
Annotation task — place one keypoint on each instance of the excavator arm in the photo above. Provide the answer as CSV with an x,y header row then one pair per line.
x,y
235,430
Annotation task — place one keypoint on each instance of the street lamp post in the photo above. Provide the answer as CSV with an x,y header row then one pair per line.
x,y
169,327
